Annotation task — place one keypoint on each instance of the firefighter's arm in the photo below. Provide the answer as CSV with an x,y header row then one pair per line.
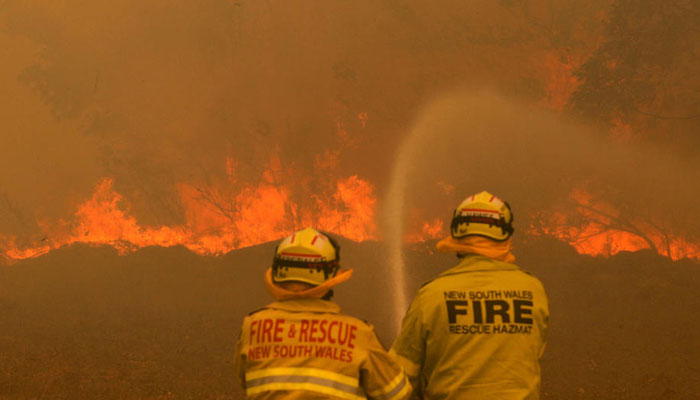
x,y
409,346
239,360
544,328
239,365
381,376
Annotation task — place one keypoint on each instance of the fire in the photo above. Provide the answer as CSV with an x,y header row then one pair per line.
x,y
428,230
218,220
600,231
99,220
355,216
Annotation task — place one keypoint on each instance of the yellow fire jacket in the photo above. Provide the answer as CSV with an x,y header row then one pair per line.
x,y
307,349
477,331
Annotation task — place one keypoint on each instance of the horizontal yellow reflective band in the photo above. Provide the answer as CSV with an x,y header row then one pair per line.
x,y
403,392
411,368
332,376
390,386
303,386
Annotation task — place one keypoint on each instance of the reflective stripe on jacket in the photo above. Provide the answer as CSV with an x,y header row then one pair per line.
x,y
307,349
476,331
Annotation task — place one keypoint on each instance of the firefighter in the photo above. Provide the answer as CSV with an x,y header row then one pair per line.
x,y
301,346
478,330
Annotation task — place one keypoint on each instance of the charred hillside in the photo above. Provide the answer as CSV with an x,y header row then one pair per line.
x,y
84,322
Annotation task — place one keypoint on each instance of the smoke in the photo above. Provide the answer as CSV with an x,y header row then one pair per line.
x,y
158,93
477,140
161,93
474,140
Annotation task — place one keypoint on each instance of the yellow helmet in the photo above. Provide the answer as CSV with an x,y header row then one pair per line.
x,y
482,214
306,256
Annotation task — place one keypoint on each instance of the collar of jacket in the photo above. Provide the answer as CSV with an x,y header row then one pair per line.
x,y
475,262
306,305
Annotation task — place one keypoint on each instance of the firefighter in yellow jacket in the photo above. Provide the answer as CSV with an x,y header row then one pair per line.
x,y
478,330
301,346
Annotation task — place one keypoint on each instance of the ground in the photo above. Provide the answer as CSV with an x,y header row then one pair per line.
x,y
86,323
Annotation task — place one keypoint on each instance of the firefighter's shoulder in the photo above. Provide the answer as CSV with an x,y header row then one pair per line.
x,y
359,322
257,311
364,331
434,284
526,271
529,276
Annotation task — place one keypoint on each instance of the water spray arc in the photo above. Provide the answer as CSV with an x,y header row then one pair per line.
x,y
395,225
395,215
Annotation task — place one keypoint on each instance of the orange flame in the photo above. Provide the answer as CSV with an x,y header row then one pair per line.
x,y
428,230
216,221
599,232
352,212
100,220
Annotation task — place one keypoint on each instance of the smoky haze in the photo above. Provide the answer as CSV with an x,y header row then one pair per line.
x,y
158,93
475,140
